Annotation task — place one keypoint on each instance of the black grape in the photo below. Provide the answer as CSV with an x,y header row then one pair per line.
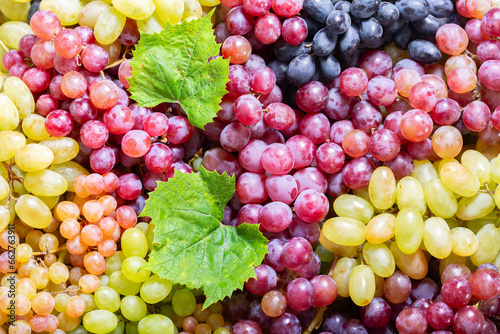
x,y
301,69
363,9
424,51
387,14
330,66
338,22
324,42
413,10
318,9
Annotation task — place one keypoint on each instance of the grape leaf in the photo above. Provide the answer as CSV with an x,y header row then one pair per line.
x,y
173,66
191,245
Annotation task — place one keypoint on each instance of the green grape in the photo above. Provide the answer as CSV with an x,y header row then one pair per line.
x,y
477,224
122,285
131,328
16,11
380,228
131,268
34,157
6,216
496,196
192,9
70,170
424,172
34,127
4,188
90,13
151,25
64,148
183,302
324,254
169,10
222,330
408,230
114,262
10,143
437,237
475,207
342,273
133,308
120,328
478,164
107,299
459,179
45,183
362,285
12,31
33,212
150,235
495,169
168,299
379,258
345,231
134,243
20,95
142,226
109,25
78,330
344,251
104,279
135,9
353,207
66,10
155,323
488,239
167,310
382,188
464,241
9,116
60,300
155,289
410,194
100,321
440,199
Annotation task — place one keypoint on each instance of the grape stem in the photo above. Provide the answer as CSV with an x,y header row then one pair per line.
x,y
118,62
52,251
317,320
4,47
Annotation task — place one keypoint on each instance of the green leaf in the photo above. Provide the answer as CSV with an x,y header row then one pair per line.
x,y
173,66
191,245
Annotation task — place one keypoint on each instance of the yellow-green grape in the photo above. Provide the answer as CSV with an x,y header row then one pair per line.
x,y
440,163
20,95
33,157
18,186
353,207
156,323
135,9
14,10
133,308
11,33
345,231
342,273
362,285
90,12
45,183
3,51
183,302
134,243
495,169
459,179
452,223
382,188
155,289
150,235
478,164
114,262
169,10
488,245
410,194
100,321
33,212
380,228
192,8
464,241
66,10
477,224
122,285
440,199
345,251
151,25
496,262
143,227
70,170
4,217
209,3
64,148
131,268
109,26
496,196
424,171
34,127
363,193
10,143
9,115
324,254
379,258
437,237
475,207
50,201
4,188
414,265
409,230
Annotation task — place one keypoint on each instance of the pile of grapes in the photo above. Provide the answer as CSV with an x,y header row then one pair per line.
x,y
364,136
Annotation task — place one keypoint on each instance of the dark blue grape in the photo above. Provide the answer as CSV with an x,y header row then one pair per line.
x,y
351,59
318,9
441,8
344,6
363,9
301,69
387,14
286,324
413,10
395,27
35,7
424,51
279,68
333,320
427,26
257,314
349,41
403,37
353,326
370,32
324,42
330,67
338,22
287,52
313,26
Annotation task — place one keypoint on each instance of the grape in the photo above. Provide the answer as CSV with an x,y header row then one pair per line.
x,y
468,320
411,320
275,216
294,30
267,28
